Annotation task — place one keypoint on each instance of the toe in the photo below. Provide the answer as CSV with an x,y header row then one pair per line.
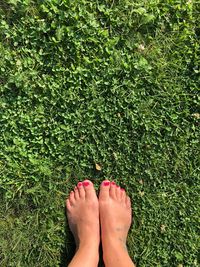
x,y
128,202
113,190
118,192
72,198
123,195
81,190
76,193
68,205
89,189
104,190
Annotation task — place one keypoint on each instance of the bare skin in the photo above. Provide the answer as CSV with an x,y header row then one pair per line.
x,y
115,219
83,217
83,210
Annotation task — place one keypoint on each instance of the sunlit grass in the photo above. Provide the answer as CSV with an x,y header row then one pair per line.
x,y
99,90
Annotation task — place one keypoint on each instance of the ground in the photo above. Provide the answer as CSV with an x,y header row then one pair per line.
x,y
99,90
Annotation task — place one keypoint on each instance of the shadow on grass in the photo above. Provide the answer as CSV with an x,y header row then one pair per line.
x,y
69,249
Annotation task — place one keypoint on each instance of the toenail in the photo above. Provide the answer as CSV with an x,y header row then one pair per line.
x,y
106,183
86,183
80,184
122,189
113,183
117,186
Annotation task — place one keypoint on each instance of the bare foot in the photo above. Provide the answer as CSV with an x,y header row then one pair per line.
x,y
115,218
83,217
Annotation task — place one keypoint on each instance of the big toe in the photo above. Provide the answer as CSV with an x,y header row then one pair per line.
x,y
89,189
104,190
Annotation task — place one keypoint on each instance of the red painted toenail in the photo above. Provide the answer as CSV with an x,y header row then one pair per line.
x,y
113,183
80,184
117,186
106,183
122,189
86,183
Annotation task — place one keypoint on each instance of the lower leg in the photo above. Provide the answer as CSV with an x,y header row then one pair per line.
x,y
115,217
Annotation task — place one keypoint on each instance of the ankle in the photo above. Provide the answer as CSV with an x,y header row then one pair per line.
x,y
90,245
116,254
90,250
85,256
114,240
113,244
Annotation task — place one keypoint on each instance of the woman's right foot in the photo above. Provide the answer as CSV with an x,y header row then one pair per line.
x,y
115,219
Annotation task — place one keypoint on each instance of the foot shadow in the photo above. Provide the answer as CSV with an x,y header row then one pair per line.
x,y
68,250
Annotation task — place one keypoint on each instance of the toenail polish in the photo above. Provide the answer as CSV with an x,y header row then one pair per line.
x,y
86,183
106,183
113,183
122,189
117,186
80,184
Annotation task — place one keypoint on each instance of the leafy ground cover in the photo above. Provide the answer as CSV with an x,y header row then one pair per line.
x,y
99,89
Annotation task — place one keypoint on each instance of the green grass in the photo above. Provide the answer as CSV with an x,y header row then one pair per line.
x,y
109,82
